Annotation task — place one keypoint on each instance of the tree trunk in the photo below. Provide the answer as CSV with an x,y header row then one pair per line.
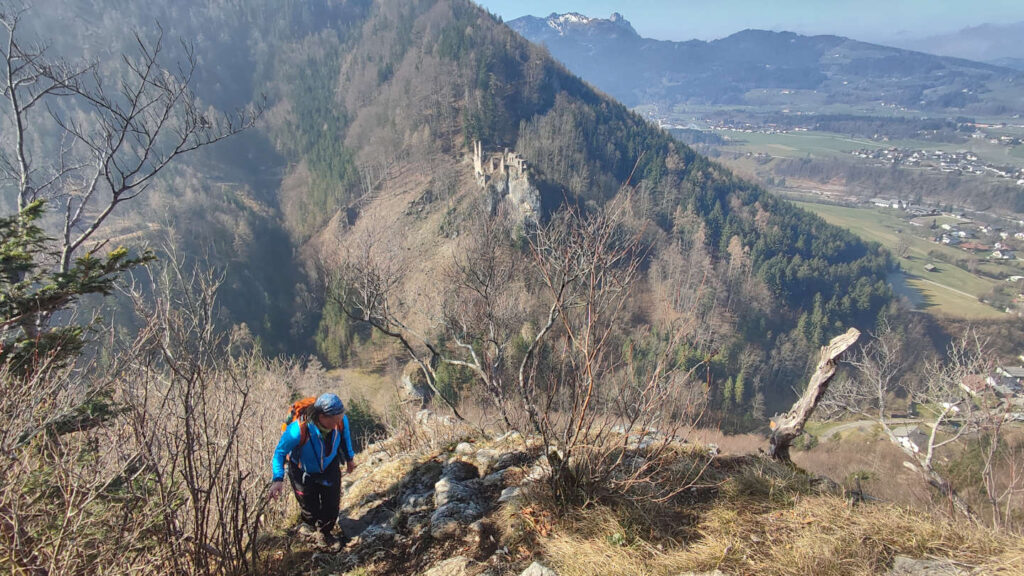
x,y
787,427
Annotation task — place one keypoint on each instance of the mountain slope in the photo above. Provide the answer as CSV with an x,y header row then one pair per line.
x,y
462,503
753,66
373,112
996,43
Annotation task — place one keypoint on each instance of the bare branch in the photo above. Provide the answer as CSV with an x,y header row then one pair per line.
x,y
787,427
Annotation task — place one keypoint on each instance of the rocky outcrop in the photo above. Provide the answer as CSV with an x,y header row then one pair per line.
x,y
414,384
458,500
437,499
457,566
505,176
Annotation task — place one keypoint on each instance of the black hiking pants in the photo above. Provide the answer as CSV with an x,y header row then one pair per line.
x,y
319,495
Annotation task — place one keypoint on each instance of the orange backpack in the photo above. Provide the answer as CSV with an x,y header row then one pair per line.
x,y
298,408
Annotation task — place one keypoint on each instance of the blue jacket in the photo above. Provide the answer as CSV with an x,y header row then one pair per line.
x,y
317,453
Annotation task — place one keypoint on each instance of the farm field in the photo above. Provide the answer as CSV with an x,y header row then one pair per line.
x,y
796,144
830,144
948,290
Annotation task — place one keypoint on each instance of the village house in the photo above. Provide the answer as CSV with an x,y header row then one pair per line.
x,y
974,247
1015,372
975,384
911,438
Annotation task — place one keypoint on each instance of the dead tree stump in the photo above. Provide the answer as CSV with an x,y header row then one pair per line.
x,y
787,427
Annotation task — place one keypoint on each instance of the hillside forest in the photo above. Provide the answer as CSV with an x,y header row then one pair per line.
x,y
210,207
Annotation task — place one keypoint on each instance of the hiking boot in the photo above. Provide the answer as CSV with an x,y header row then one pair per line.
x,y
327,542
306,531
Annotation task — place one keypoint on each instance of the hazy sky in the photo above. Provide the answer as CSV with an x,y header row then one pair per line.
x,y
708,19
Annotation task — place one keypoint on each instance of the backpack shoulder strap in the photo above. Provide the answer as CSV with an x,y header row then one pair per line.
x,y
303,433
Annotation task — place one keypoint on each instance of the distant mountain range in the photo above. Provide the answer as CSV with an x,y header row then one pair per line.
x,y
999,44
758,67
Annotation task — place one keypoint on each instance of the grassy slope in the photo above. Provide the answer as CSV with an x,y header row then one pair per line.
x,y
745,515
949,291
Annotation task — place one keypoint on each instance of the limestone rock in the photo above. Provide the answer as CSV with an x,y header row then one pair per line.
x,y
538,473
465,449
377,535
509,494
510,459
457,566
459,470
415,384
906,566
486,458
524,196
511,437
495,478
449,519
447,490
413,503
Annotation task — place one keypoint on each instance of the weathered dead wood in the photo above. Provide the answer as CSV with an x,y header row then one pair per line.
x,y
787,427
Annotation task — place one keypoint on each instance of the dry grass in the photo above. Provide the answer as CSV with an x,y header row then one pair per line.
x,y
729,443
825,535
764,519
876,460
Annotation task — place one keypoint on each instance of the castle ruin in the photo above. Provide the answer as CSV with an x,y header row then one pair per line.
x,y
505,174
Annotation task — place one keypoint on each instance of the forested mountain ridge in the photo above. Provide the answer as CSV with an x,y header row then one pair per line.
x,y
755,67
372,109
543,308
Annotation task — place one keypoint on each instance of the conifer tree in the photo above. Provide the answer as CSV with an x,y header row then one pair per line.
x,y
31,292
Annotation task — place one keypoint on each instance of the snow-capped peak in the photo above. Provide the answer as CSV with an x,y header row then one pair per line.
x,y
561,23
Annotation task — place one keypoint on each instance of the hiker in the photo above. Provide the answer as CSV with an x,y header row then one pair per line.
x,y
313,445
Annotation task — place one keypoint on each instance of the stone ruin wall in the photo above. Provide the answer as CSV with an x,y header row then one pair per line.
x,y
506,174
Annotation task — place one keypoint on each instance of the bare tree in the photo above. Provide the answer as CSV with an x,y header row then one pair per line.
x,y
201,422
167,473
953,399
594,404
548,338
99,504
114,130
366,289
902,245
787,427
486,306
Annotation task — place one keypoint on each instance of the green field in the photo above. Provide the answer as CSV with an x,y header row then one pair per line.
x,y
947,291
829,144
797,144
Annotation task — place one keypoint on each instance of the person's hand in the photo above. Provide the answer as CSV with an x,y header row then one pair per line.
x,y
276,487
350,466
